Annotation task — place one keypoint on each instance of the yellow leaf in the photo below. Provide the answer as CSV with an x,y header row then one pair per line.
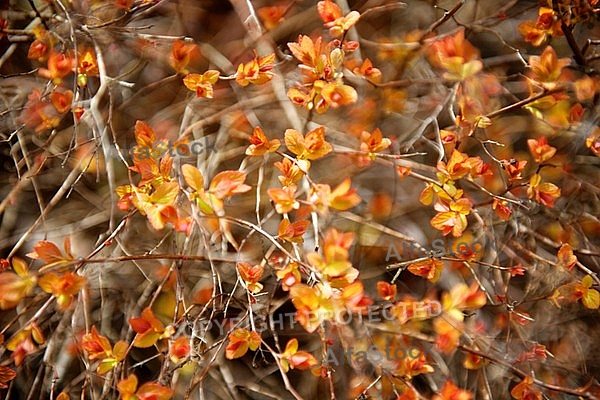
x,y
193,177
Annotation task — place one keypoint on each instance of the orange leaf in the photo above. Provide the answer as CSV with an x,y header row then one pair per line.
x,y
374,142
447,334
329,11
540,149
547,68
127,387
202,84
336,94
284,199
292,358
15,285
457,167
260,144
566,258
6,375
386,290
451,392
179,349
289,276
291,171
251,274
544,193
63,287
149,329
47,252
258,71
501,208
292,232
61,100
430,269
343,197
368,71
272,16
473,361
228,183
144,135
59,66
97,346
526,390
181,55
456,55
311,147
305,50
154,391
240,341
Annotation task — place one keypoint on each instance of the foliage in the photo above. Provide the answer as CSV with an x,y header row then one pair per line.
x,y
228,179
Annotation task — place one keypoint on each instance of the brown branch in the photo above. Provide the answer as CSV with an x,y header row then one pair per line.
x,y
577,53
524,102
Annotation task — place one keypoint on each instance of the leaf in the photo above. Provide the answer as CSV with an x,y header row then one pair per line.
x,y
127,387
154,391
251,274
311,147
546,69
386,291
336,94
228,183
292,358
457,166
292,232
272,16
259,144
284,199
289,276
181,55
329,11
448,334
193,177
591,299
120,350
427,195
15,286
374,142
526,390
343,197
305,50
566,258
457,56
451,392
240,341
544,193
47,252
258,71
63,287
430,269
179,349
6,375
202,84
540,150
144,135
97,346
149,329
501,208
